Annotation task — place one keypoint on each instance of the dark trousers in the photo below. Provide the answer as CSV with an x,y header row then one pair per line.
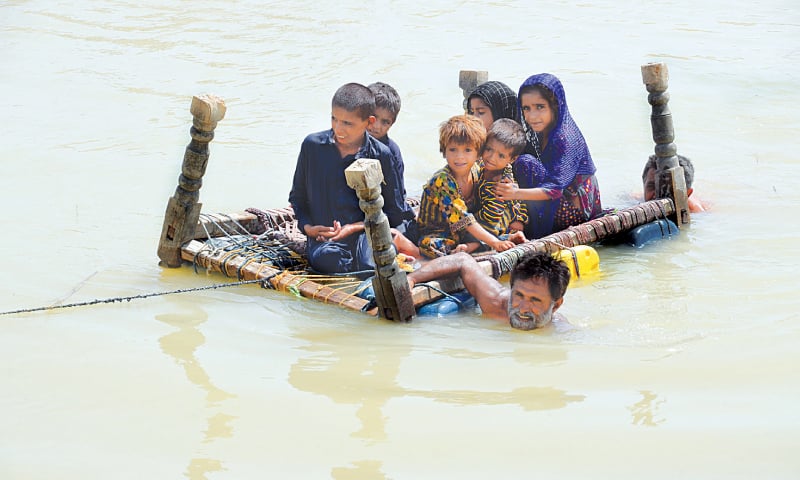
x,y
353,254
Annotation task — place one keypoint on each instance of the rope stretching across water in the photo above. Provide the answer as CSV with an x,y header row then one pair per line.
x,y
132,297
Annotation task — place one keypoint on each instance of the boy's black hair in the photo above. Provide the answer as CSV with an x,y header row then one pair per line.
x,y
509,133
355,97
688,168
386,97
543,265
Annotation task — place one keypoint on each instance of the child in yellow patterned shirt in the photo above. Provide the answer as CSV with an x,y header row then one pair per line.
x,y
445,222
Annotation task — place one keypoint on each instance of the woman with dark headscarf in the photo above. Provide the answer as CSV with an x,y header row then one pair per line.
x,y
492,101
555,177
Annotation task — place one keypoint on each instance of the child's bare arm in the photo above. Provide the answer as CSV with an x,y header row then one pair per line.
x,y
511,191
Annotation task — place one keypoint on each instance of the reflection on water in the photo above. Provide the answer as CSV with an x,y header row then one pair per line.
x,y
645,411
199,467
367,377
364,469
529,398
364,377
181,345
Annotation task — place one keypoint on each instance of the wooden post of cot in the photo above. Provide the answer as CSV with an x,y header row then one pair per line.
x,y
669,178
183,208
469,79
392,292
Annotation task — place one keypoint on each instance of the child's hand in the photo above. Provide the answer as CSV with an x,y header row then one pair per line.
x,y
461,247
323,233
506,189
466,247
502,245
517,237
346,230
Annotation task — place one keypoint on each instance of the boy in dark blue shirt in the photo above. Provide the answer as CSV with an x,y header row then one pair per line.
x,y
387,106
326,207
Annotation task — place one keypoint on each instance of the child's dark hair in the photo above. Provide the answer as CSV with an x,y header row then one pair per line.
x,y
386,97
542,265
546,93
462,129
509,133
355,97
688,168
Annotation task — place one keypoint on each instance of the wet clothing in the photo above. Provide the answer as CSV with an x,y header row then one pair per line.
x,y
499,97
444,214
564,169
320,195
496,215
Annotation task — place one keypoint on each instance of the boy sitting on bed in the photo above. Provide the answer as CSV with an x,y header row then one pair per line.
x,y
326,207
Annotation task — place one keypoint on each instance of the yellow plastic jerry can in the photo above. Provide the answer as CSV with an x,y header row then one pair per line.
x,y
582,260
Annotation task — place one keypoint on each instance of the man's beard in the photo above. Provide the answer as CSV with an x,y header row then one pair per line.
x,y
531,321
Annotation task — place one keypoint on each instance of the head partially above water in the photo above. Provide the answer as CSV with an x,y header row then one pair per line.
x,y
649,176
538,284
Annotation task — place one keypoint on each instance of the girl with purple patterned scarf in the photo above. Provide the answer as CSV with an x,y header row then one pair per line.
x,y
555,177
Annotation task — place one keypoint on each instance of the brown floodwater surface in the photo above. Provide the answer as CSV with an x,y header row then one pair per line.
x,y
682,362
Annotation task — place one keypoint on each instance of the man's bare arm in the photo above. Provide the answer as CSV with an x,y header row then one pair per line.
x,y
490,294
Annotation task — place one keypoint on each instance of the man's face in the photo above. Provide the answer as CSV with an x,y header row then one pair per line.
x,y
530,304
649,185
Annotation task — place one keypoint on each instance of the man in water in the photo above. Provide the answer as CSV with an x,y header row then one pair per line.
x,y
538,284
649,181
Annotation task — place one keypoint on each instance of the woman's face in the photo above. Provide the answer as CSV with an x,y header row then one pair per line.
x,y
536,111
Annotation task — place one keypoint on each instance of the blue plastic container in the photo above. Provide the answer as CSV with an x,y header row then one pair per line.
x,y
439,308
446,305
650,232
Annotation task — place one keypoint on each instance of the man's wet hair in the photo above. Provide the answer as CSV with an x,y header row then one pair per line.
x,y
688,168
509,133
356,98
386,97
541,265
